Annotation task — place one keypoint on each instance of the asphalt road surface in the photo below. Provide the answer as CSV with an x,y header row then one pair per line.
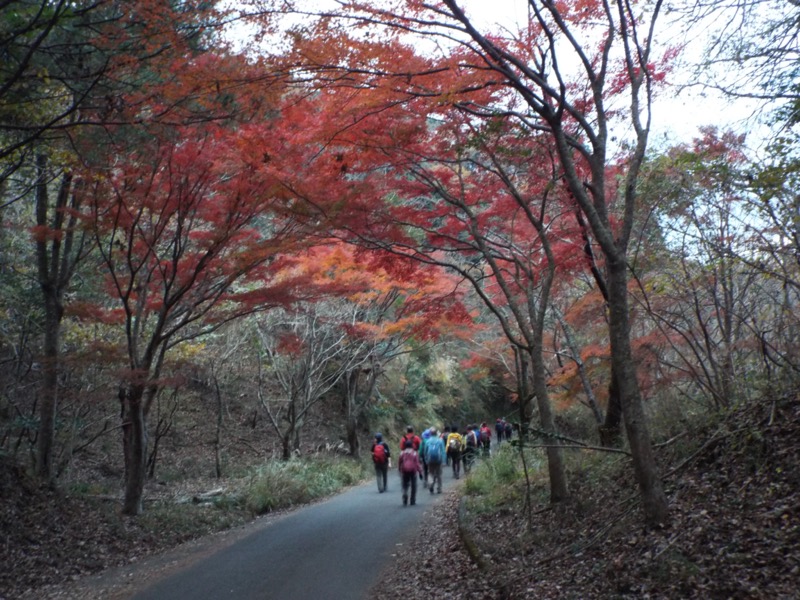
x,y
332,550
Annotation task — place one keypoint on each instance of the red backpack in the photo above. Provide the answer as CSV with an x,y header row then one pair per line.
x,y
407,463
379,454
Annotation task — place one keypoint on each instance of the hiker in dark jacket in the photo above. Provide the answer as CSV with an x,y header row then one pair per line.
x,y
500,429
471,444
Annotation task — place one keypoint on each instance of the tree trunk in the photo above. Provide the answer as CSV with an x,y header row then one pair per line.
x,y
555,463
352,437
218,431
653,498
56,257
525,394
48,404
51,283
611,429
350,391
296,441
286,447
134,436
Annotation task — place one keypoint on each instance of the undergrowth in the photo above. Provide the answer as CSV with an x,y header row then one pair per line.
x,y
498,482
279,485
731,478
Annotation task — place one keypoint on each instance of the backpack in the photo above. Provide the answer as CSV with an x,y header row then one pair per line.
x,y
409,437
433,454
472,440
407,462
379,454
485,435
453,444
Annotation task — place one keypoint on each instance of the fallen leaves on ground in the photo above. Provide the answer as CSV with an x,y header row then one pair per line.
x,y
734,531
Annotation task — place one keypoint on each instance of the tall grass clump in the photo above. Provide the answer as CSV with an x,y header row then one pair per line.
x,y
500,479
279,484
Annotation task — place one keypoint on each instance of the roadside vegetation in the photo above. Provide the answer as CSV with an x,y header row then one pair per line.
x,y
732,479
279,485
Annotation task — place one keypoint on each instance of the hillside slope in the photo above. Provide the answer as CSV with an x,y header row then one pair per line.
x,y
734,532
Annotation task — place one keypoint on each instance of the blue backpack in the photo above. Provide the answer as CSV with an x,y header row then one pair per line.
x,y
434,451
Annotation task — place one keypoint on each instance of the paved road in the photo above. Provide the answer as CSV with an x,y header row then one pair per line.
x,y
334,549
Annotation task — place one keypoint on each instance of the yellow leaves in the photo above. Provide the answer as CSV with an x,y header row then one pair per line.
x,y
44,75
188,351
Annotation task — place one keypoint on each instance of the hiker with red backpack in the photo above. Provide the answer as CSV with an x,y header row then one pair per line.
x,y
485,438
410,435
409,466
382,460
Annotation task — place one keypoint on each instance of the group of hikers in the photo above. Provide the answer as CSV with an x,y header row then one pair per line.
x,y
425,456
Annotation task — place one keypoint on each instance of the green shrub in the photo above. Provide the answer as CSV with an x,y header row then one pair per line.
x,y
500,480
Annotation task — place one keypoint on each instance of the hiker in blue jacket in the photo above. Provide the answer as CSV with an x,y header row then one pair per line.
x,y
425,437
434,457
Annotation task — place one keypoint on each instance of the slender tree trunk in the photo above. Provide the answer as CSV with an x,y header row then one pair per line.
x,y
555,461
525,394
50,276
296,441
591,399
353,443
218,431
611,429
48,401
286,446
58,251
350,382
653,498
134,435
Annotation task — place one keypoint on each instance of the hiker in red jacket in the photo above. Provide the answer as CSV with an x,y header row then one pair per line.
x,y
410,435
409,466
485,438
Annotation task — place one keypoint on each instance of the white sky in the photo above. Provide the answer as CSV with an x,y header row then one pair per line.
x,y
676,118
